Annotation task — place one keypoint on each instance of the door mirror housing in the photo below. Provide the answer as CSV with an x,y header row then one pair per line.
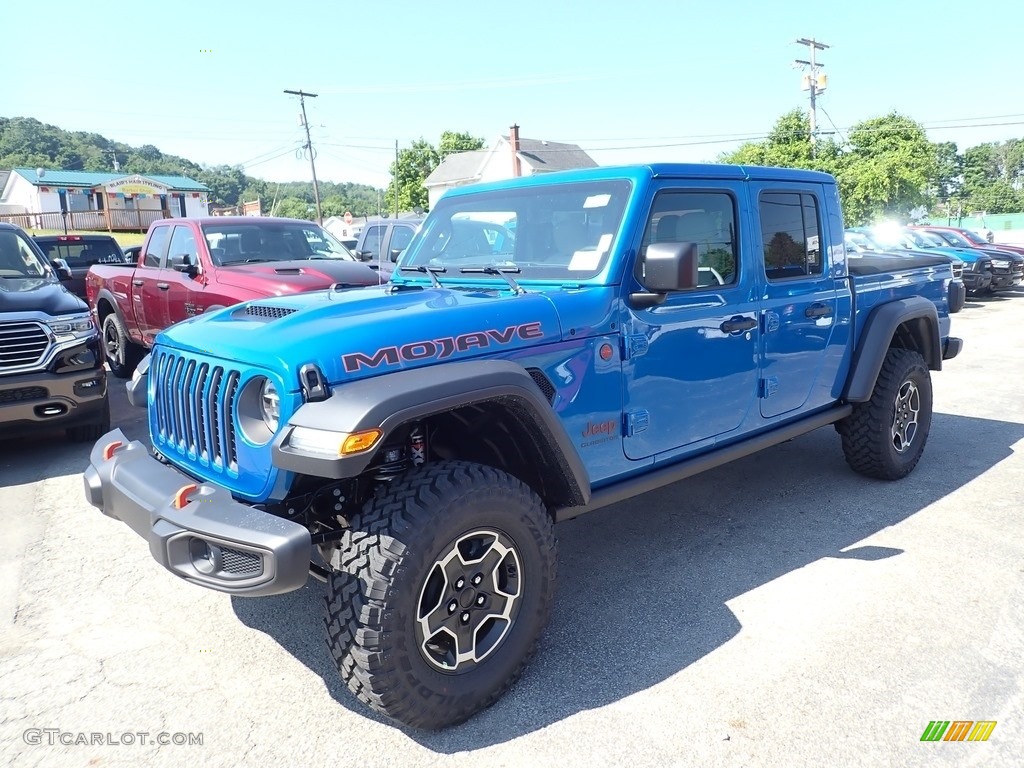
x,y
364,255
61,268
670,267
395,254
185,262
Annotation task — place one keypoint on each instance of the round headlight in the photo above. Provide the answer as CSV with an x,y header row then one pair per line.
x,y
270,405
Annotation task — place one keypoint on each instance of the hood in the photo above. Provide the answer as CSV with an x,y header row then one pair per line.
x,y
362,332
38,294
278,278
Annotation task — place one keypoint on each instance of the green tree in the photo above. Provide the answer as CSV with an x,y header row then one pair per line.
x,y
417,162
408,173
787,146
294,208
886,170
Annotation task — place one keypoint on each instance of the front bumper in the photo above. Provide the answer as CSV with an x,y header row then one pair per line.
x,y
951,347
43,400
212,540
1003,280
977,281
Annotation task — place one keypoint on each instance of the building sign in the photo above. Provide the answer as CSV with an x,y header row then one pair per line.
x,y
136,185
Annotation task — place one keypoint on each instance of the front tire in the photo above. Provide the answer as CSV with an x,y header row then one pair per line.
x,y
884,437
86,433
439,592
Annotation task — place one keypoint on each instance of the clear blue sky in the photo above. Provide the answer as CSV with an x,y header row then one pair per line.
x,y
636,81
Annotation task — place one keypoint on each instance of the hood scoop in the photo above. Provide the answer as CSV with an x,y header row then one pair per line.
x,y
266,312
288,270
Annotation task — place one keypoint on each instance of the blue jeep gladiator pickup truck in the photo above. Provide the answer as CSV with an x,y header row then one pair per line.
x,y
413,444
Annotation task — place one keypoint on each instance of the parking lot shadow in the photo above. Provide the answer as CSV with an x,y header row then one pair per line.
x,y
644,585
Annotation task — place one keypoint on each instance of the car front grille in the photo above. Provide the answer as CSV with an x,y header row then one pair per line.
x,y
22,344
194,408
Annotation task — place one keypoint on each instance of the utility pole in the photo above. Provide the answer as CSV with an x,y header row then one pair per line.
x,y
309,148
396,179
117,166
814,82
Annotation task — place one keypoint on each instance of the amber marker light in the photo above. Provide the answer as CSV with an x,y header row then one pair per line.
x,y
358,442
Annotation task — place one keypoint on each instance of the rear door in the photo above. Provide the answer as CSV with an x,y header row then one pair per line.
x,y
799,298
147,298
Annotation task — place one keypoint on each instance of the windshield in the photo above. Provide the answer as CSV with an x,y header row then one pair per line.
x,y
240,243
954,238
975,238
557,232
916,239
859,242
18,258
929,237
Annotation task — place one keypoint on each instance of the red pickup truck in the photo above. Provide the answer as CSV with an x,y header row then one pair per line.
x,y
190,266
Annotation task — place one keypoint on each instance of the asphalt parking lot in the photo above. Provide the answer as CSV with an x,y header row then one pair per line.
x,y
779,611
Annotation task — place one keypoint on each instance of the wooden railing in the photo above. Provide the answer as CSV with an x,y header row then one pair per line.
x,y
120,220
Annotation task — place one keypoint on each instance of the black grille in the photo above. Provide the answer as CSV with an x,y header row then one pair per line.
x,y
240,563
543,382
23,393
271,313
22,344
194,406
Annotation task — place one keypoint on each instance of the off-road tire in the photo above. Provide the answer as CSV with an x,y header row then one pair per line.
x,y
868,434
84,433
380,576
120,352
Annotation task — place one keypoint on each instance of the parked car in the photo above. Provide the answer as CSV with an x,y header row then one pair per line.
x,y
860,241
190,266
381,240
51,367
426,436
81,252
131,253
1007,261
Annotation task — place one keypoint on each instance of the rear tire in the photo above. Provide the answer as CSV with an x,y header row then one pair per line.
x,y
440,590
884,437
122,355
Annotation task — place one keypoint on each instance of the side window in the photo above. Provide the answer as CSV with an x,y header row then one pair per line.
x,y
789,235
706,219
371,240
400,238
156,248
183,243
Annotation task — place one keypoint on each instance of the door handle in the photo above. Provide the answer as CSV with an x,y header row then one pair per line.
x,y
138,282
818,310
163,286
738,324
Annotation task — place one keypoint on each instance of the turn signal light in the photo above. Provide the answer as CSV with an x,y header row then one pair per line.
x,y
181,497
108,451
360,441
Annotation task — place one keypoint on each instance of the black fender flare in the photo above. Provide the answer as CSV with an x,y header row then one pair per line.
x,y
106,295
391,400
877,336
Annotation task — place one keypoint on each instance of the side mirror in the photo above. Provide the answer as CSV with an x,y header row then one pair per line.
x,y
62,269
668,267
396,253
364,255
184,262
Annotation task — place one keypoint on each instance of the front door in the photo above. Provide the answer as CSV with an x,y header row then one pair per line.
x,y
799,298
691,363
183,296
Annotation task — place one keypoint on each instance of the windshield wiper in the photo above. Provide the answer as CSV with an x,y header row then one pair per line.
x,y
431,272
499,272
